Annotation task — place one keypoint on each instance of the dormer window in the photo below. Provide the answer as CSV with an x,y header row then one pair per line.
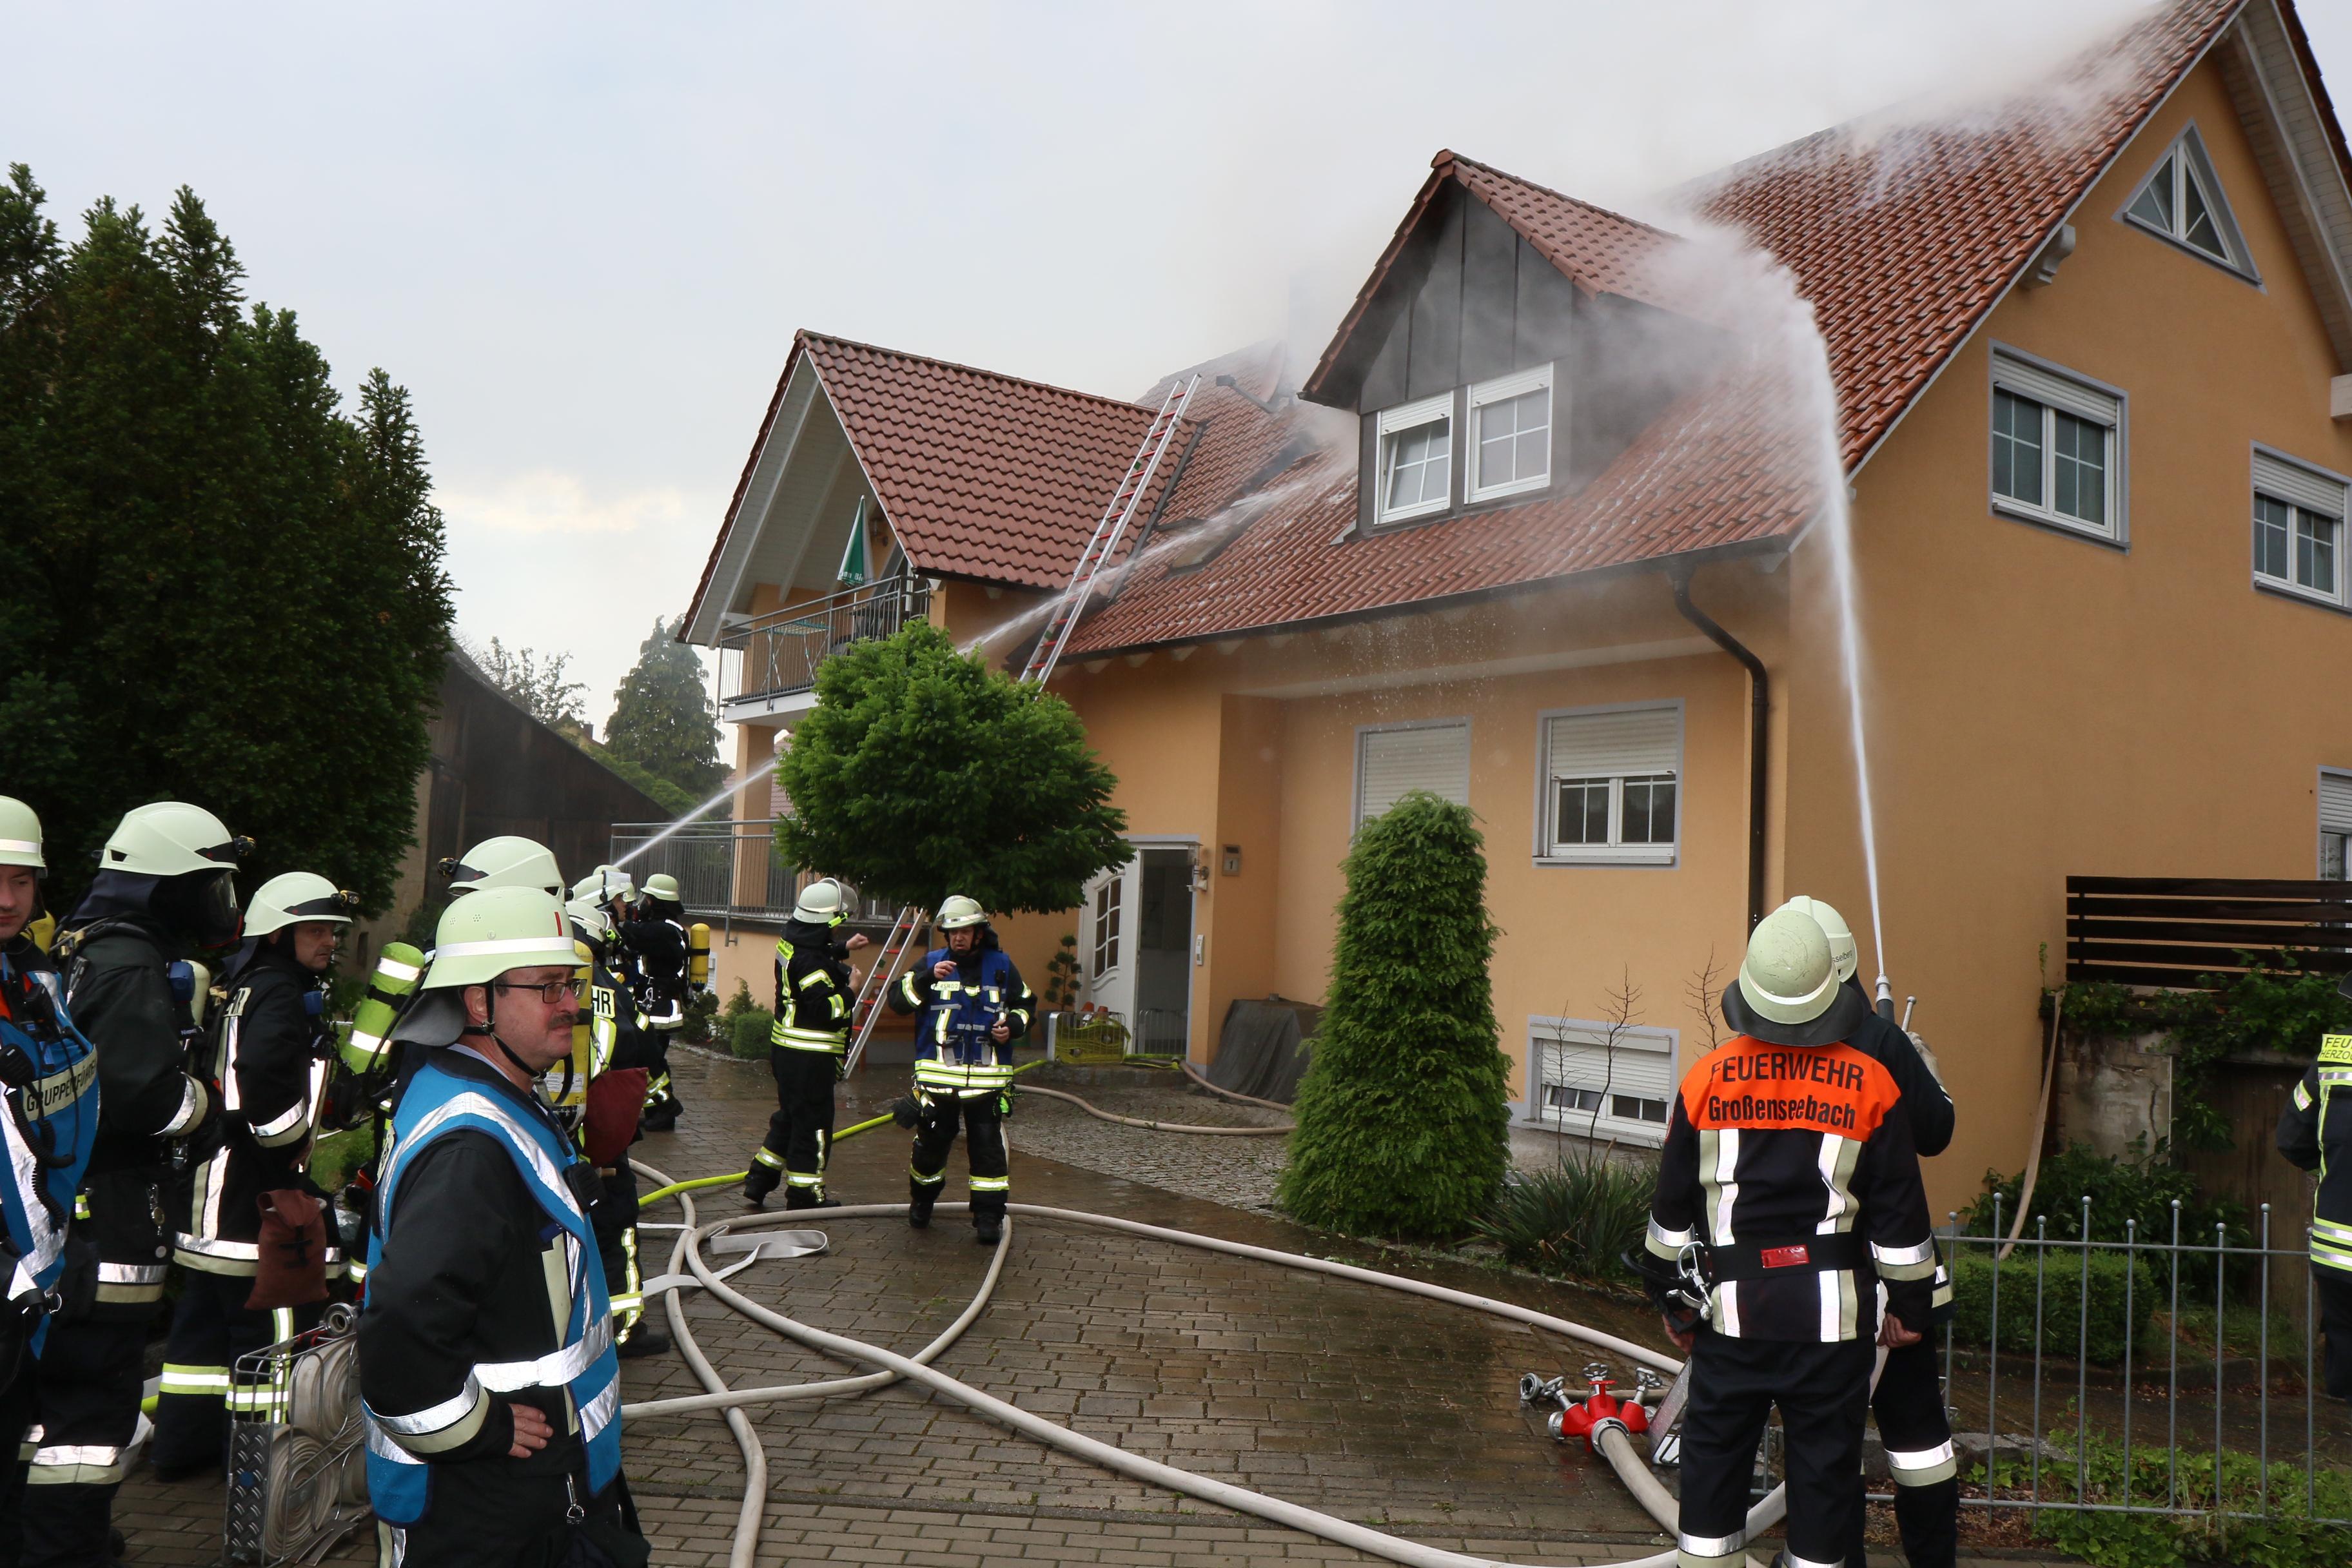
x,y
2181,201
1416,475
1510,433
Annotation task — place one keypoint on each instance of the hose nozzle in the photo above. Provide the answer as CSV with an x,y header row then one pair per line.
x,y
1886,998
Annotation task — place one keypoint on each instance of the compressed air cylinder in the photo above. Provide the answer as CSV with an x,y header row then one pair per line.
x,y
698,955
397,971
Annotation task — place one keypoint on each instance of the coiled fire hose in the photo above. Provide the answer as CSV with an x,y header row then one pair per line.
x,y
888,1365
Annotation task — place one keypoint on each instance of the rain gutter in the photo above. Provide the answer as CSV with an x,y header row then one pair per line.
x,y
1759,696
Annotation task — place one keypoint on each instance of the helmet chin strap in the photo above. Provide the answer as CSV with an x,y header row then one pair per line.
x,y
487,1028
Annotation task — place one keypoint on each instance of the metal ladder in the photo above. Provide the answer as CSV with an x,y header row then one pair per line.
x,y
876,986
1108,533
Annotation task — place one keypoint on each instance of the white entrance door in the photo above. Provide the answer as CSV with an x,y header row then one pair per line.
x,y
1107,940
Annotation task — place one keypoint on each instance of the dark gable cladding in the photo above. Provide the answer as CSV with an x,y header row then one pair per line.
x,y
1466,299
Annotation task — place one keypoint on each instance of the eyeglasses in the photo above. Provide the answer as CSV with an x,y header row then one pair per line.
x,y
554,992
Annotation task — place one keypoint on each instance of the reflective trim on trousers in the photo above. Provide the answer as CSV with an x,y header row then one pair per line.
x,y
991,1184
76,1465
201,1381
1708,1551
931,1179
805,1179
773,1162
1923,1467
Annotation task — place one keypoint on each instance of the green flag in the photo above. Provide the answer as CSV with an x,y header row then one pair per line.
x,y
853,559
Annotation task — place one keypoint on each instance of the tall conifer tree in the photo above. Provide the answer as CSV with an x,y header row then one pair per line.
x,y
662,716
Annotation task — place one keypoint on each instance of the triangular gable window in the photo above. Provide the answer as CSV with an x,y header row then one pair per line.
x,y
2181,200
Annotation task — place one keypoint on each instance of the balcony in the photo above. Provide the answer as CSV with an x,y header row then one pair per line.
x,y
781,649
726,871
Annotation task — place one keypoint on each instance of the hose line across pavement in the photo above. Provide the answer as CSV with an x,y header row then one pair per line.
x,y
890,1366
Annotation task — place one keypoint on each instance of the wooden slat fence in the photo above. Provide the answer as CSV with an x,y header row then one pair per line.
x,y
2170,931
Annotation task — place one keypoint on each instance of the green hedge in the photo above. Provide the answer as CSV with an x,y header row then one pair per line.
x,y
748,1037
2061,1302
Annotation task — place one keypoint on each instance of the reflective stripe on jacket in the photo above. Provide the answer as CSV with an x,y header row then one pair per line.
x,y
2316,1132
59,1110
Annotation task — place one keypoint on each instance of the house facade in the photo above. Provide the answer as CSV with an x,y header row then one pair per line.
x,y
1552,527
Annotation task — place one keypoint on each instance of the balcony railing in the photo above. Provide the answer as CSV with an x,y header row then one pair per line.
x,y
781,649
726,870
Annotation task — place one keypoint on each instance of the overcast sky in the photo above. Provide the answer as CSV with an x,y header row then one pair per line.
x,y
583,235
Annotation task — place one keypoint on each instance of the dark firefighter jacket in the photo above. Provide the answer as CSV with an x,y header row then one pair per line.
x,y
465,1278
813,995
116,985
953,1050
656,945
2315,1133
630,1043
1794,1167
255,1061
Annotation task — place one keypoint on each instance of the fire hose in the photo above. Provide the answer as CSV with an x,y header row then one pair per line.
x,y
888,1365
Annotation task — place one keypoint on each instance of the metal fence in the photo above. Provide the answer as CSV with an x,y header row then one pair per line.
x,y
2173,1375
781,649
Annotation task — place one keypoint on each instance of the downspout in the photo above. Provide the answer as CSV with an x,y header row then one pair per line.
x,y
1759,694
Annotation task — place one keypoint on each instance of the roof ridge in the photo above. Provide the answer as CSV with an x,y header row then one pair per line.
x,y
1445,155
1120,403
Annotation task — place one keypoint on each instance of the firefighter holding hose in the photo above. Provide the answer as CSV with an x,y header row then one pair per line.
x,y
1789,1189
807,1050
2315,1140
973,1005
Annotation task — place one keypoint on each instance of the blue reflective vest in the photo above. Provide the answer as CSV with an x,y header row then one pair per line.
x,y
952,1049
49,1123
438,1102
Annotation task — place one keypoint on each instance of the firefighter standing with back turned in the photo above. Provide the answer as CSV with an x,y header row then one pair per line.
x,y
2314,1132
50,1073
166,882
258,1054
660,953
807,1050
974,1005
1788,1169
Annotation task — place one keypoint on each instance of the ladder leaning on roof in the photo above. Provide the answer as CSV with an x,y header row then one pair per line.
x,y
1108,533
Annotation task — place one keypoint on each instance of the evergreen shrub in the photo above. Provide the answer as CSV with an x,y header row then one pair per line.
x,y
1403,1116
750,1032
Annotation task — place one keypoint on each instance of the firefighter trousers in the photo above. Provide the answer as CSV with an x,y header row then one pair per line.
x,y
800,1132
662,1103
211,1329
1916,1432
983,1148
2334,1289
1823,1393
17,1400
91,1373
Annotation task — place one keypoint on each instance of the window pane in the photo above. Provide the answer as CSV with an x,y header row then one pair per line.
x,y
1420,464
2080,470
2196,222
1560,1097
1581,815
2017,448
2271,526
1649,810
1634,1108
2331,856
1514,439
2315,550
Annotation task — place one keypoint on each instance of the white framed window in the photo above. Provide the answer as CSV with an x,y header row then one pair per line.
x,y
2298,527
2057,448
1392,759
1611,785
1580,1079
1107,925
2181,200
1510,433
2335,825
1416,457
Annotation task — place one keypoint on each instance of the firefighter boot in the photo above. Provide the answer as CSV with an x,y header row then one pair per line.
x,y
800,1197
919,1199
761,1179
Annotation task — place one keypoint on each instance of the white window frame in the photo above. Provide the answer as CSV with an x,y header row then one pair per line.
x,y
1613,853
1648,1043
2191,162
1397,421
2335,824
2308,489
1456,721
1502,389
2058,390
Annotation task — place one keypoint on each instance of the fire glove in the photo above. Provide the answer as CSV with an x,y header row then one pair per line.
x,y
1005,1105
840,1066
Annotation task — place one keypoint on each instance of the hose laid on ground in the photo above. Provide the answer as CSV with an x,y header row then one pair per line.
x,y
1223,1493
1197,1075
755,1456
1281,1131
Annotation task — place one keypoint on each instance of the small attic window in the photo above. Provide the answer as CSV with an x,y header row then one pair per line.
x,y
1416,474
2181,201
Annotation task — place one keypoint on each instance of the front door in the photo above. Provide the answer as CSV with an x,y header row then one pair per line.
x,y
1135,945
1106,941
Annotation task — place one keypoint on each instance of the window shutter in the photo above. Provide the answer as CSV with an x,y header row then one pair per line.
x,y
2288,481
2056,391
1617,745
1435,757
2335,802
1637,1067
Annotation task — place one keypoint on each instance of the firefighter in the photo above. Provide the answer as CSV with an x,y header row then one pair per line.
x,y
655,939
51,1115
808,1049
257,1056
973,1008
1789,1182
618,1041
2308,1137
486,1368
1909,1405
166,882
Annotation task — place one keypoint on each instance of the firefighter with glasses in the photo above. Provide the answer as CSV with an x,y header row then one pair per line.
x,y
816,990
487,1367
50,1076
1787,1191
2314,1132
256,1056
166,884
973,1005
